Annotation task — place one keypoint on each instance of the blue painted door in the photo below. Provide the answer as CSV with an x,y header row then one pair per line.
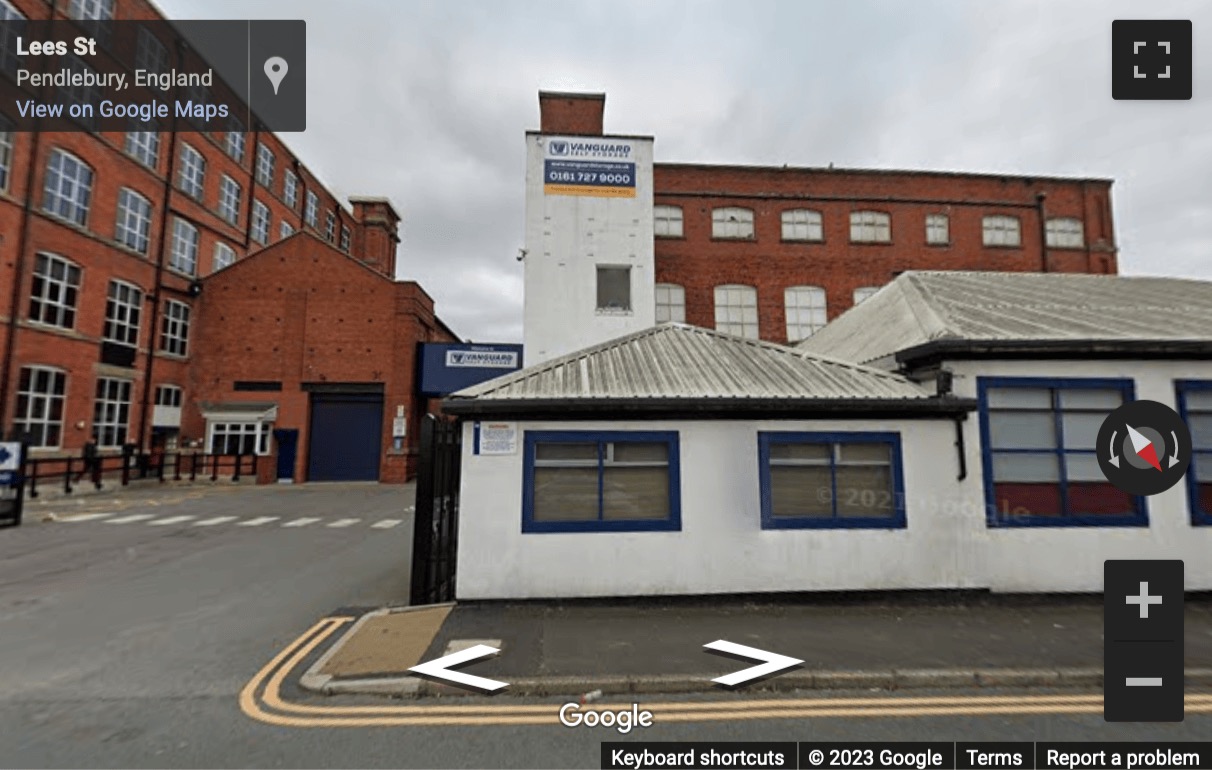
x,y
345,438
288,449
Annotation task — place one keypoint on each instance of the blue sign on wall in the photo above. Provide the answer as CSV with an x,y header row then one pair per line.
x,y
449,367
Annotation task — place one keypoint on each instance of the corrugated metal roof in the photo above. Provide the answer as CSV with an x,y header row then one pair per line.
x,y
680,362
922,307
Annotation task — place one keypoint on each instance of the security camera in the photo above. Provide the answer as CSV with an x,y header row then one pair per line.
x,y
521,254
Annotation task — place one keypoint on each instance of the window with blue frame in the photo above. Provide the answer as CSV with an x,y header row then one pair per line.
x,y
594,481
831,480
1195,407
1038,450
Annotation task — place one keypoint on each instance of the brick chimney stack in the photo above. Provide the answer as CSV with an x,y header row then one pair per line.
x,y
571,113
378,236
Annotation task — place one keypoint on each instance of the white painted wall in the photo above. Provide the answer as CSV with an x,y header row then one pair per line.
x,y
721,547
567,237
1071,558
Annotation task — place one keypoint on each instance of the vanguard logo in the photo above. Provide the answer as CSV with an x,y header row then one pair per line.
x,y
562,148
487,359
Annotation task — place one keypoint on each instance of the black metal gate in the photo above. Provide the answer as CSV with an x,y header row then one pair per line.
x,y
436,523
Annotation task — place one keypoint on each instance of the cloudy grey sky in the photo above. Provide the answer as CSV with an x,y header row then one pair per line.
x,y
427,102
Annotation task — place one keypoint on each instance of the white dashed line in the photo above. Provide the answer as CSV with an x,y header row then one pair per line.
x,y
89,517
343,523
258,521
300,522
214,521
133,517
169,520
385,524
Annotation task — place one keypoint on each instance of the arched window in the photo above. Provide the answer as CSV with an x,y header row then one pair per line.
x,y
731,222
802,225
667,221
1002,230
870,227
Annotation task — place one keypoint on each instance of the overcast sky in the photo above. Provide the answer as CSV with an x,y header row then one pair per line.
x,y
426,103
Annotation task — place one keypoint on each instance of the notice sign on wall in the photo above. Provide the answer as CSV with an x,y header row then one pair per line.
x,y
496,438
599,168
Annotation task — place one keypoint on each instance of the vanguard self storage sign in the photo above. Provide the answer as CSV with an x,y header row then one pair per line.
x,y
599,168
447,366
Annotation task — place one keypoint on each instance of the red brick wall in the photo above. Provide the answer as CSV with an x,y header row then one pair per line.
x,y
301,312
699,262
571,113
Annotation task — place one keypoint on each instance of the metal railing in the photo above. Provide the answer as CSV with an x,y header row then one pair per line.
x,y
124,468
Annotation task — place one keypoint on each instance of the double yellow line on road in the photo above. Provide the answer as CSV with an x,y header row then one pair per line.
x,y
261,699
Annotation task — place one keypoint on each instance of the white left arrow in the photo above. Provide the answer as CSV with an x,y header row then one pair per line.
x,y
440,668
772,663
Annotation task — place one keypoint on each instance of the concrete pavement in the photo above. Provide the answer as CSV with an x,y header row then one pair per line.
x,y
888,642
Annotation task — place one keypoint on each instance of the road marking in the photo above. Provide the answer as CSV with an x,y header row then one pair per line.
x,y
214,521
132,517
273,675
343,523
300,522
258,521
169,520
385,523
88,517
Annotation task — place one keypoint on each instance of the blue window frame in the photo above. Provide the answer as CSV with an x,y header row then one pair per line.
x,y
601,481
1195,407
831,481
1038,453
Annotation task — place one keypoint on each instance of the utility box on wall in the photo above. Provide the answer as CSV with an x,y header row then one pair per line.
x,y
450,367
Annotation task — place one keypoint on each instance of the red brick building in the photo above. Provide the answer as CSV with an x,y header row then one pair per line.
x,y
107,240
774,252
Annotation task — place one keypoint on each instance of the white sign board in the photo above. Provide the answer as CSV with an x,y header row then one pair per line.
x,y
496,438
399,427
482,359
10,455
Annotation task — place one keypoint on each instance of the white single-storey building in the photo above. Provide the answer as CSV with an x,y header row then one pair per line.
x,y
938,435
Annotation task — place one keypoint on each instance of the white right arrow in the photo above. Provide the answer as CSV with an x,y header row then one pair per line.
x,y
440,668
771,662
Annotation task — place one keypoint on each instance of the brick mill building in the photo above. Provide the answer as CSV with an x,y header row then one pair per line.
x,y
121,326
767,252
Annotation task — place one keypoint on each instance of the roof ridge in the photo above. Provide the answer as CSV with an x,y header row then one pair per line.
x,y
929,318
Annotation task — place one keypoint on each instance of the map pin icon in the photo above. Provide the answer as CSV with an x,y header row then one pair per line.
x,y
275,69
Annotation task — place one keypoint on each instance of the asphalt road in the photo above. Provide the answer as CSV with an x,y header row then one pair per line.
x,y
127,643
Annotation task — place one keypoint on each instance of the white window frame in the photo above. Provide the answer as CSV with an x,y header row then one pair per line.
x,y
150,53
667,221
938,229
732,223
229,199
10,62
670,303
144,146
133,228
174,329
345,236
224,256
111,412
739,317
168,395
67,190
191,177
1002,230
265,166
184,254
123,311
870,227
290,188
1064,233
864,292
804,225
234,143
6,151
330,227
260,223
257,430
312,209
91,10
285,229
54,297
806,309
83,93
40,411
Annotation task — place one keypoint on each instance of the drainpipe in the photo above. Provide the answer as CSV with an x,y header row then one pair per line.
x,y
10,351
1043,231
153,326
252,189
